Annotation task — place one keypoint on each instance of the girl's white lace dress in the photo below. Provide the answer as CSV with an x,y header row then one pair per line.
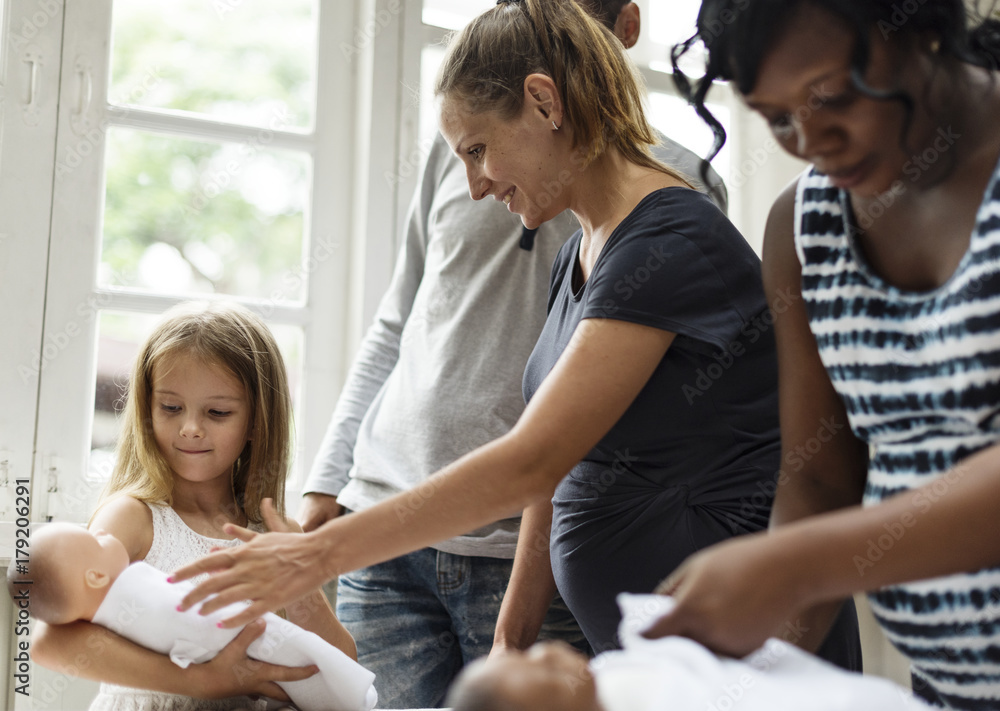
x,y
174,545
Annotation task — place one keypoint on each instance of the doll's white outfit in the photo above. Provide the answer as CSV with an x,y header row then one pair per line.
x,y
681,675
141,606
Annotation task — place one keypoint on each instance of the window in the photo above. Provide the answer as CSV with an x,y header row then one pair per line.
x,y
152,152
178,183
752,167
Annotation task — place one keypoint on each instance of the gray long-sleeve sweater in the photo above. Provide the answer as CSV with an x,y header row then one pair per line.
x,y
439,372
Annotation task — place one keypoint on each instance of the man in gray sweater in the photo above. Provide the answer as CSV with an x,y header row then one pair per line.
x,y
437,375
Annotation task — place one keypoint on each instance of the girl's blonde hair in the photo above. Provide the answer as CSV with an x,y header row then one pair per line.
x,y
601,91
229,336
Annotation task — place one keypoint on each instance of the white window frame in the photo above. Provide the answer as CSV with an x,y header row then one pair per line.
x,y
29,61
74,300
50,242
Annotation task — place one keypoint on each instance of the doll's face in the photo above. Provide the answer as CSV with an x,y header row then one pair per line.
x,y
77,549
84,563
549,677
103,551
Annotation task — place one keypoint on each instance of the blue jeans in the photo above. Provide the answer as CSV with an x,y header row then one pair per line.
x,y
419,618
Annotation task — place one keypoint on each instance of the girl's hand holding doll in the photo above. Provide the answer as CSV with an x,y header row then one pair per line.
x,y
233,673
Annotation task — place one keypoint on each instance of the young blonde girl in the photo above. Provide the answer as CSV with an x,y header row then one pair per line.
x,y
205,442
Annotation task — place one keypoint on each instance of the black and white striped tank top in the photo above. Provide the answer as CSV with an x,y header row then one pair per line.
x,y
919,374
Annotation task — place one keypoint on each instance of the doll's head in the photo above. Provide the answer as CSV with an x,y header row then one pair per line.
x,y
68,573
547,677
234,344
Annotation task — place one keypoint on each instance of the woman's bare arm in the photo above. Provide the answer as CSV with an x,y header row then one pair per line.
x,y
602,370
88,651
823,465
531,587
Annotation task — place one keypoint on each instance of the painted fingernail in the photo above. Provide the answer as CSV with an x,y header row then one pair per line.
x,y
180,608
219,625
170,579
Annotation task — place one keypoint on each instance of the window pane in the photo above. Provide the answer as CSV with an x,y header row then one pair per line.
x,y
187,216
430,61
674,118
119,336
234,60
672,22
453,14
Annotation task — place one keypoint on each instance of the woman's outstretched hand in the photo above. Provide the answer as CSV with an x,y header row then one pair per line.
x,y
271,570
732,597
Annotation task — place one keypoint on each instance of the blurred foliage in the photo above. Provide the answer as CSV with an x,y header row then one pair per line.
x,y
237,60
197,216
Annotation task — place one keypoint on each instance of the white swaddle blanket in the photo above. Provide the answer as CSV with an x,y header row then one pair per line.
x,y
142,607
679,674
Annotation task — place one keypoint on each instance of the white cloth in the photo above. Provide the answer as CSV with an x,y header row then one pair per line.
x,y
175,545
681,675
141,606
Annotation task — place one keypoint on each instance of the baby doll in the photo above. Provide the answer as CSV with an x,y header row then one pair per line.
x,y
75,574
671,673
